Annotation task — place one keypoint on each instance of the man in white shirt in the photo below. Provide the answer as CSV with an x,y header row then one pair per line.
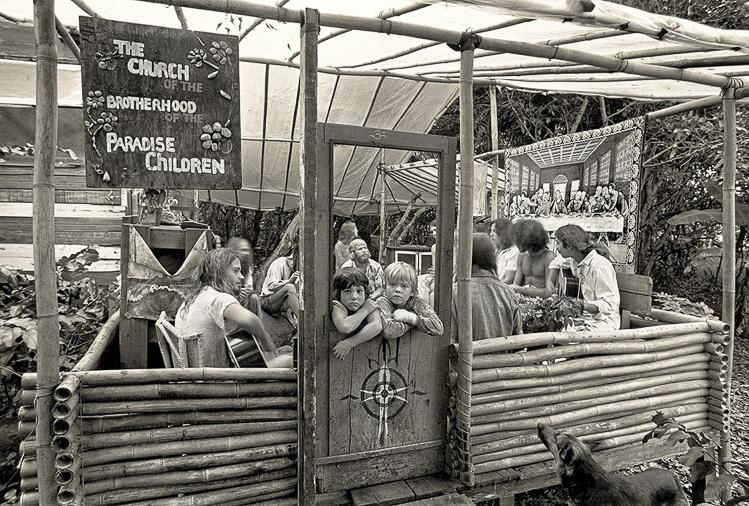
x,y
598,284
279,294
507,252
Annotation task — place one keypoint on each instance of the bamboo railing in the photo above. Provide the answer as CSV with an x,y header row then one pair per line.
x,y
177,436
165,436
602,387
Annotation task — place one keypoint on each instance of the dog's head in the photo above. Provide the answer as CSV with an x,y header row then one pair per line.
x,y
566,448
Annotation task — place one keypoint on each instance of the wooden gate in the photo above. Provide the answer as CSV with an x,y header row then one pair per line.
x,y
381,411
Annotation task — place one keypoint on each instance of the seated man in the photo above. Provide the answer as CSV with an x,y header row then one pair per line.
x,y
534,258
279,294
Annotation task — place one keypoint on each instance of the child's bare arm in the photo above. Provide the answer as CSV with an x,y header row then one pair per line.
x,y
346,323
372,328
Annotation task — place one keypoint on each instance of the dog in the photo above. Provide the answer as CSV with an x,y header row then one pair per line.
x,y
589,484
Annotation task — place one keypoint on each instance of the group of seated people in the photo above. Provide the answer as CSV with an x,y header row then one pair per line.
x,y
606,199
513,258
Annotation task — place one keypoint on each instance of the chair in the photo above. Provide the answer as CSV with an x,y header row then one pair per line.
x,y
178,349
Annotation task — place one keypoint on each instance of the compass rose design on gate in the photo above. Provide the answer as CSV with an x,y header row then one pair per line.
x,y
384,392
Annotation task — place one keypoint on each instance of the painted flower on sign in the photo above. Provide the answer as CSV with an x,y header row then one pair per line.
x,y
216,136
95,99
220,51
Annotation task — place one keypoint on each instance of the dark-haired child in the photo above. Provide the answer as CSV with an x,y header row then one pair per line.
x,y
354,313
401,308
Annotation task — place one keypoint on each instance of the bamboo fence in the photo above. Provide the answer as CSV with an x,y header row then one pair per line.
x,y
603,387
189,436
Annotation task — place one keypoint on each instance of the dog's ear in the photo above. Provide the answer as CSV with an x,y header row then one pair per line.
x,y
567,453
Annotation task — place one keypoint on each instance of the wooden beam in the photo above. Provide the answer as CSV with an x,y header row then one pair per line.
x,y
729,248
465,253
391,13
314,245
411,50
64,34
257,22
495,147
243,7
85,8
48,346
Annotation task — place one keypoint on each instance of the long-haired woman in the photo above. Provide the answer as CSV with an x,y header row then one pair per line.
x,y
215,311
598,284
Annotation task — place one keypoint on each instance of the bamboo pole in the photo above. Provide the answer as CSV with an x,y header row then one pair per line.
x,y
729,252
67,39
67,388
465,251
130,495
499,384
561,419
576,350
677,318
28,468
186,462
95,425
194,446
29,498
582,364
203,476
66,409
494,415
245,492
67,442
502,395
588,394
151,436
496,344
186,391
45,142
455,37
67,475
383,214
632,433
495,147
29,484
174,405
681,414
140,376
91,358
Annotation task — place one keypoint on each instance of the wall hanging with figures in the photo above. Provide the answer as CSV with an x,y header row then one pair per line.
x,y
160,107
591,179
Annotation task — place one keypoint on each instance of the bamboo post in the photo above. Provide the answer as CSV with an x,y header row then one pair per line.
x,y
465,251
729,248
495,147
383,214
48,352
314,247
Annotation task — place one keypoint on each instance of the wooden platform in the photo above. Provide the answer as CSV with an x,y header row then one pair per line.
x,y
432,490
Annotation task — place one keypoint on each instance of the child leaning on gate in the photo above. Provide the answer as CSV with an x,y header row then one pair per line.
x,y
354,313
401,308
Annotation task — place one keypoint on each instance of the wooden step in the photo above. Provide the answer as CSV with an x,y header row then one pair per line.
x,y
411,491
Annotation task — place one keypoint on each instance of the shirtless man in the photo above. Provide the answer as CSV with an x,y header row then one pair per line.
x,y
533,261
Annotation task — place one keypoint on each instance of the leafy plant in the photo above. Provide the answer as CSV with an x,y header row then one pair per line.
x,y
700,459
550,314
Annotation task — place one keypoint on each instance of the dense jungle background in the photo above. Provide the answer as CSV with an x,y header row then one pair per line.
x,y
682,171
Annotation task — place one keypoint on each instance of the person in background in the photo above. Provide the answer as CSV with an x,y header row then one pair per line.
x,y
214,310
247,296
534,258
346,234
494,308
354,314
401,308
279,294
506,251
360,259
426,282
595,271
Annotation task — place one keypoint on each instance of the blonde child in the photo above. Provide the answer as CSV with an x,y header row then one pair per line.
x,y
354,313
401,308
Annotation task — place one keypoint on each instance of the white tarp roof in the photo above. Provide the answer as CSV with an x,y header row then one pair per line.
x,y
269,90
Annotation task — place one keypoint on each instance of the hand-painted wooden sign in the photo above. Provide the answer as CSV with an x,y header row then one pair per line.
x,y
161,107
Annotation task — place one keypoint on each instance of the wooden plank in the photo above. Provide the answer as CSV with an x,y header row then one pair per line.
x,y
443,270
453,499
339,497
17,42
431,486
350,457
27,265
376,137
67,230
635,292
24,209
27,251
106,197
376,470
163,236
385,494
